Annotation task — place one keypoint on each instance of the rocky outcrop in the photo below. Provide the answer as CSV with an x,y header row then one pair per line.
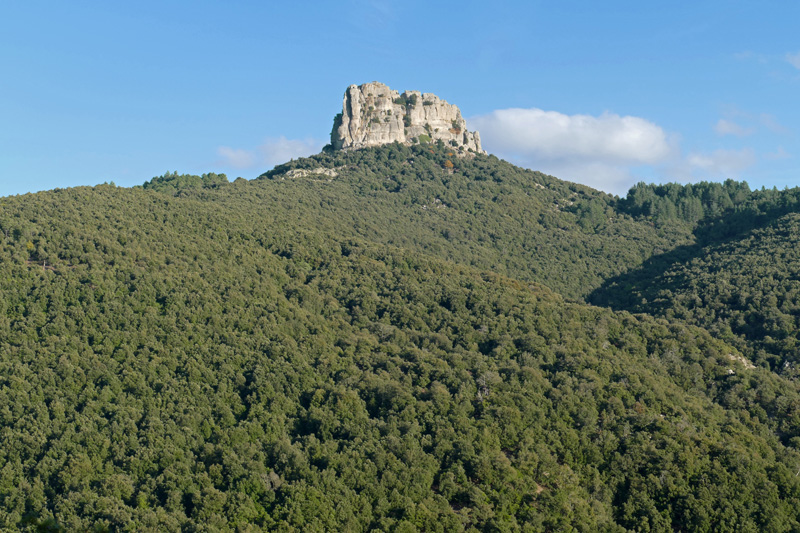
x,y
302,173
373,114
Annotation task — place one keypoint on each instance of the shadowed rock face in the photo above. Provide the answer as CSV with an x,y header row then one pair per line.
x,y
373,114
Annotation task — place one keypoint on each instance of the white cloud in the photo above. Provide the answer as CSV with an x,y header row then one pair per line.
x,y
778,154
614,179
772,124
723,163
376,14
747,123
611,152
550,135
598,151
794,60
236,158
273,151
728,127
749,55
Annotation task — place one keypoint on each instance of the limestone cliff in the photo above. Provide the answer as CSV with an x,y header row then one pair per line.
x,y
373,114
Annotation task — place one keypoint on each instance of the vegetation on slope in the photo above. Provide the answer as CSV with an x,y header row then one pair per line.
x,y
483,212
192,361
740,280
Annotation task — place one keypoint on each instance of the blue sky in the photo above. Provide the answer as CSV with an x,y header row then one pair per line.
x,y
602,93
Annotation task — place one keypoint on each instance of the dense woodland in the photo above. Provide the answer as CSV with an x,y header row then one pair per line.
x,y
406,346
740,279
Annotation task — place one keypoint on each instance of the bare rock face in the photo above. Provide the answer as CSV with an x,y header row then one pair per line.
x,y
373,114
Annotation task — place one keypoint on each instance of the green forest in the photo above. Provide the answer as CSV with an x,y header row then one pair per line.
x,y
398,339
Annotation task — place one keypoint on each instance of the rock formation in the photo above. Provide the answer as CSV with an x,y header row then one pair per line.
x,y
373,114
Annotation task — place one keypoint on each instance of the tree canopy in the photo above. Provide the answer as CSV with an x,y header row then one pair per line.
x,y
399,347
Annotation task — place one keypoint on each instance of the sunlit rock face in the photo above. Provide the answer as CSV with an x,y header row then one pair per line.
x,y
373,114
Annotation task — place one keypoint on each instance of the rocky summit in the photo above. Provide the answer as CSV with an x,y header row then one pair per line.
x,y
373,114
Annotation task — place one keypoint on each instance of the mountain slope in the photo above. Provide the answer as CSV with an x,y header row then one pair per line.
x,y
226,358
481,212
740,279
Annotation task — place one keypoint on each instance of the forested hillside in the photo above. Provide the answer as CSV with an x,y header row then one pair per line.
x,y
741,277
477,211
400,346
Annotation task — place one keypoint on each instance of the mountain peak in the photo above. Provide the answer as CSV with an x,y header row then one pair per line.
x,y
373,114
